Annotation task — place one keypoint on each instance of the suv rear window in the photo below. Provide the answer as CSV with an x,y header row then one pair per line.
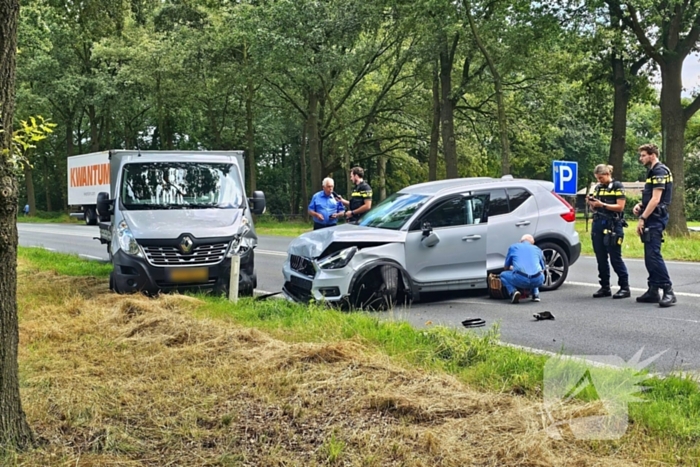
x,y
516,197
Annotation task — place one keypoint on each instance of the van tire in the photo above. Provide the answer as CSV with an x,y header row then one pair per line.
x,y
556,265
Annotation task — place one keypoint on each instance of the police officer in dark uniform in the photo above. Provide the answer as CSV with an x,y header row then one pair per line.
x,y
361,197
607,234
653,217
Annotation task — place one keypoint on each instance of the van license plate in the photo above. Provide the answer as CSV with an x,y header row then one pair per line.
x,y
188,275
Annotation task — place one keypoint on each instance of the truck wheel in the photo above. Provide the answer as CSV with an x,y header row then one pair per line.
x,y
90,216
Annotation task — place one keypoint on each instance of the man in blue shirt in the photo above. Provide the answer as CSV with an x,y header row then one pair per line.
x,y
324,207
524,269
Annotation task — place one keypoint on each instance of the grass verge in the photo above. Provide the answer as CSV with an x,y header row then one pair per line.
x,y
127,380
44,217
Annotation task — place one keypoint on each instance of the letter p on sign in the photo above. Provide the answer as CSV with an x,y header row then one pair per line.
x,y
565,177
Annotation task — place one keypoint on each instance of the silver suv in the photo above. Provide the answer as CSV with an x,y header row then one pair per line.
x,y
431,237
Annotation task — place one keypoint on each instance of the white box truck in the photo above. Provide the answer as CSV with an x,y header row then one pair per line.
x,y
173,220
88,175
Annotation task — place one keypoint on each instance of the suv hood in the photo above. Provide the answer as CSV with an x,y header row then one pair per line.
x,y
312,244
170,224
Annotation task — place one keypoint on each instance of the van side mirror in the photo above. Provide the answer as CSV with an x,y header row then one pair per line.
x,y
104,206
257,202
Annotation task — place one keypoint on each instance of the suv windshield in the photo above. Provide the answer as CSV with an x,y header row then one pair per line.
x,y
181,185
393,212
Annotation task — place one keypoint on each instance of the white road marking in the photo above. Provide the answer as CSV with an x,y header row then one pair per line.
x,y
271,252
91,257
586,284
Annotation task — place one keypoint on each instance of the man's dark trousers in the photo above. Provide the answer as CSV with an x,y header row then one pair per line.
x,y
654,262
613,250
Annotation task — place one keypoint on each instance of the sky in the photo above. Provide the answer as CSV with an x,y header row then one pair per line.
x,y
691,74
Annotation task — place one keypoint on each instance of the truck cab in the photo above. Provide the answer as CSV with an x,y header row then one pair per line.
x,y
173,220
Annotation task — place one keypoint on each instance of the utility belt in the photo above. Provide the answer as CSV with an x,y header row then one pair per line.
x,y
611,237
661,210
614,218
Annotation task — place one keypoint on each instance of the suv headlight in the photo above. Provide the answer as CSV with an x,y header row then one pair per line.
x,y
127,242
337,260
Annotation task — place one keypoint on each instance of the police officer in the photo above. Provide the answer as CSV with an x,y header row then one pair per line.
x,y
361,198
653,217
607,234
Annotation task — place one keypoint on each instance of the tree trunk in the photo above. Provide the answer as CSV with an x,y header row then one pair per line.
x,y
435,129
619,124
381,177
314,143
447,111
70,148
94,131
498,86
302,170
29,179
47,191
250,139
673,131
14,430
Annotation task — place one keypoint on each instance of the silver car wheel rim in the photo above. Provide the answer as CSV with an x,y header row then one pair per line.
x,y
554,267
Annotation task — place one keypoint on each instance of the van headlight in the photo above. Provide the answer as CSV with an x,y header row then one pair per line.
x,y
127,242
239,245
337,260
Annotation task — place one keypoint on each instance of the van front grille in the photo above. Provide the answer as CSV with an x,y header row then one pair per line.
x,y
205,255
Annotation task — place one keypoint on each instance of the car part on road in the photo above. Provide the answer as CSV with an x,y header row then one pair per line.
x,y
473,323
542,316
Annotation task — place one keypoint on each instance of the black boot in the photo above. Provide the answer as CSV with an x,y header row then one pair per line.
x,y
624,292
603,292
669,298
650,296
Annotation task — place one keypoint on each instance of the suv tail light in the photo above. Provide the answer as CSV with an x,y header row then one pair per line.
x,y
567,216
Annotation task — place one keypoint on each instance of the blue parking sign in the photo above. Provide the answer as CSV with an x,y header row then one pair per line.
x,y
565,177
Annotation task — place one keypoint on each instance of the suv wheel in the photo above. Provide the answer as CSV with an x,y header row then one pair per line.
x,y
556,266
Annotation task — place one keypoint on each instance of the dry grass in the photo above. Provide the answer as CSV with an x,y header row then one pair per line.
x,y
110,380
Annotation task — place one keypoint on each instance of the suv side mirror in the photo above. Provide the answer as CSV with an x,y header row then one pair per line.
x,y
104,206
427,229
257,202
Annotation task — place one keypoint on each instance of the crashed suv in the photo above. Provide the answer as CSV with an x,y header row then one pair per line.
x,y
431,237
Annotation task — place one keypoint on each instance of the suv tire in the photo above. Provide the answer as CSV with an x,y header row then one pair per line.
x,y
556,265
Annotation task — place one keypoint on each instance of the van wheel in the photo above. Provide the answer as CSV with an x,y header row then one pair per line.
x,y
90,216
556,266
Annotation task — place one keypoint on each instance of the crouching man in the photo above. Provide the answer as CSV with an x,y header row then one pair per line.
x,y
524,269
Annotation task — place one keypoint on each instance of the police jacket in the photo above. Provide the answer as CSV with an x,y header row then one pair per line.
x,y
658,177
361,192
608,193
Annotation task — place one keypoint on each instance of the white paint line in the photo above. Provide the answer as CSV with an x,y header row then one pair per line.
x,y
586,284
49,249
58,232
271,252
641,260
91,257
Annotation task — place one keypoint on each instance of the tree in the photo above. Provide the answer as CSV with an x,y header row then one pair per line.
x,y
14,430
668,33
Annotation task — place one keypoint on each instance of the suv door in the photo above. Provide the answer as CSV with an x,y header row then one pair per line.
x,y
512,213
458,259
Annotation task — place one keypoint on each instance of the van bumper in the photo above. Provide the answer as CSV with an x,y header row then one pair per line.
x,y
133,274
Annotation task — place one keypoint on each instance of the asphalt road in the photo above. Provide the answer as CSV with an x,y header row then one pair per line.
x,y
583,326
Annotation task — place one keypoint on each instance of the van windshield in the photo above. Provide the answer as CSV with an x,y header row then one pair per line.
x,y
181,185
393,212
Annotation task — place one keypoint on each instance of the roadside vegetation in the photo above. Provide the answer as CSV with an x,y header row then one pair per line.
x,y
196,380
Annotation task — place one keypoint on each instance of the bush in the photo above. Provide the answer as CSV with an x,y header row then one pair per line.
x,y
632,201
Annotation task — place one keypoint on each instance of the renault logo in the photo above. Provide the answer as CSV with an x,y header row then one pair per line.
x,y
186,245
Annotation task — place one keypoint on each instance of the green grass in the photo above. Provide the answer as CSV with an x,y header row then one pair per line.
x,y
67,265
268,225
673,248
43,217
670,415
